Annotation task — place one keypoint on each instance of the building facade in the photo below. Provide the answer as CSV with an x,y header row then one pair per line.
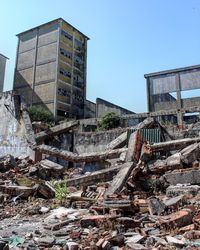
x,y
2,70
51,67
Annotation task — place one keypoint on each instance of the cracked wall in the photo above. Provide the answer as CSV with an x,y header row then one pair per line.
x,y
16,135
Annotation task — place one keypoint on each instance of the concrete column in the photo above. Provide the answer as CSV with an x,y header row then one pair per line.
x,y
180,119
179,102
35,65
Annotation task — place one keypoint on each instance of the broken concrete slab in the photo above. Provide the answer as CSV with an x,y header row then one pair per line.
x,y
119,142
50,165
72,157
174,144
58,129
22,191
190,176
72,245
157,240
46,190
190,154
49,169
156,206
174,203
134,147
120,179
47,241
182,189
136,238
161,166
175,242
94,177
176,161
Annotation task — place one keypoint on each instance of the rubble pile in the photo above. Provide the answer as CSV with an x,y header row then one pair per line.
x,y
148,197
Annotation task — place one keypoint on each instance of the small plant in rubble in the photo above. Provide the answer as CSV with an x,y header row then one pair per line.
x,y
61,190
154,185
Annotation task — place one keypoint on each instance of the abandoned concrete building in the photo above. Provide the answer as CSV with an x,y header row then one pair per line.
x,y
51,68
174,91
2,70
101,107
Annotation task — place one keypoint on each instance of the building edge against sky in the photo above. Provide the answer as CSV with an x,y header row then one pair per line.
x,y
2,71
51,66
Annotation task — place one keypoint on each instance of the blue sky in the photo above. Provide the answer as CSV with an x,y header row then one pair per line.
x,y
128,39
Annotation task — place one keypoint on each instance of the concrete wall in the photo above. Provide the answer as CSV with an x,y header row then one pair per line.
x,y
94,141
90,109
16,134
2,71
103,107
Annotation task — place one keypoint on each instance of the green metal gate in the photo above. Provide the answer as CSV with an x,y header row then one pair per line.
x,y
151,135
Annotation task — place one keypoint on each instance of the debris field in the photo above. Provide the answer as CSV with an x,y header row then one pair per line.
x,y
147,198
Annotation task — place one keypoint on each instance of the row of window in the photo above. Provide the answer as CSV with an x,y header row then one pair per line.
x,y
65,72
63,92
78,98
66,34
78,78
78,44
78,60
68,54
79,84
65,53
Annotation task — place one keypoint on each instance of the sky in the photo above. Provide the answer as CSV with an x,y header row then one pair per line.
x,y
128,38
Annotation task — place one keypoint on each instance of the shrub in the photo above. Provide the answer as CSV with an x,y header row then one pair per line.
x,y
108,121
41,114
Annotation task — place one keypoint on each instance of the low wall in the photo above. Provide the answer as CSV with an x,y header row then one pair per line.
x,y
88,142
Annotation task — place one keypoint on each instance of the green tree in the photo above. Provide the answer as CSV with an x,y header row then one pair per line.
x,y
108,121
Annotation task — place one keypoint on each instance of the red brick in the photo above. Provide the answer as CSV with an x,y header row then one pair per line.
x,y
178,219
100,243
94,220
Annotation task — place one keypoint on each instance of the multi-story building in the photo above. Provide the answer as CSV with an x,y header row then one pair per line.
x,y
51,68
2,70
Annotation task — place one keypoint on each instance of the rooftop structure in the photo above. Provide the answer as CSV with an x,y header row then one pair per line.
x,y
174,90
